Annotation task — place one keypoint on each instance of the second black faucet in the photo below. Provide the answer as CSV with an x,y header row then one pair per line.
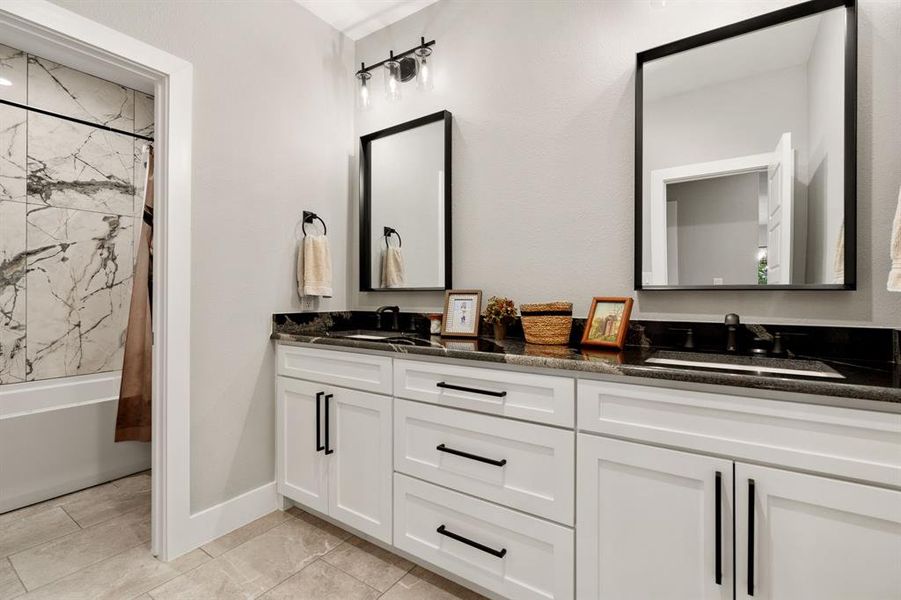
x,y
395,311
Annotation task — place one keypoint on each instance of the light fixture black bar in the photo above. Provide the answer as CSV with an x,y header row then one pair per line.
x,y
424,44
75,120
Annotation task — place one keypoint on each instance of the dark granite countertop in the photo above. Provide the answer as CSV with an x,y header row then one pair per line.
x,y
863,380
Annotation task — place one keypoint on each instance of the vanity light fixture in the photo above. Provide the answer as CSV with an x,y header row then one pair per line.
x,y
5,82
364,99
416,62
392,78
425,79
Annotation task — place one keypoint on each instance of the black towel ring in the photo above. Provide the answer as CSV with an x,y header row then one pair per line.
x,y
309,217
388,231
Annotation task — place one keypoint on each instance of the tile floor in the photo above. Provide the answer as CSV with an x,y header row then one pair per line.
x,y
94,545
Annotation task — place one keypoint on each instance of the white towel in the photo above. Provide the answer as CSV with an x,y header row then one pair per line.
x,y
314,267
393,268
838,261
894,276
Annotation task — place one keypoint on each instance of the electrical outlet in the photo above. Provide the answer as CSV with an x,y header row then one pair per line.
x,y
308,303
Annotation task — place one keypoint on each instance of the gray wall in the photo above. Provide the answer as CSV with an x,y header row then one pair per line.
x,y
717,229
273,135
825,189
543,151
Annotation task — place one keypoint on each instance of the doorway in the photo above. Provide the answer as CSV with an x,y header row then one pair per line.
x,y
49,31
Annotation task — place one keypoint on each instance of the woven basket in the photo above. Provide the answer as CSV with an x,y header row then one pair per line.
x,y
549,323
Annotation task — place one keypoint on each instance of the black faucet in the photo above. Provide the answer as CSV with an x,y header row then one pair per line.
x,y
732,323
395,311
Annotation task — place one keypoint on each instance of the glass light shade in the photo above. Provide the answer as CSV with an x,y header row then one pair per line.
x,y
425,69
392,80
364,95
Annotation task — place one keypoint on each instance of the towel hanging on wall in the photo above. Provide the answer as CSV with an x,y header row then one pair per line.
x,y
314,267
133,420
393,275
894,276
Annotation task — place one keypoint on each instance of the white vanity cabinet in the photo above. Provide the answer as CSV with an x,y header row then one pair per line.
x,y
652,523
534,486
655,522
804,536
301,462
334,451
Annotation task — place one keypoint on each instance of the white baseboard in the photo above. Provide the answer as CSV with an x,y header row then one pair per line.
x,y
211,523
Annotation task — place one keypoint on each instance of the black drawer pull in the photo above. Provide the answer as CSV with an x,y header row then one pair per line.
x,y
490,461
751,532
327,449
319,445
718,536
498,553
461,388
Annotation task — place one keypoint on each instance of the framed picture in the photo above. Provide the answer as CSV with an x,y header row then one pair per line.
x,y
462,313
608,322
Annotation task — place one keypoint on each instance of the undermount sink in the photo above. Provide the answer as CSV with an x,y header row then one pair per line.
x,y
746,364
374,335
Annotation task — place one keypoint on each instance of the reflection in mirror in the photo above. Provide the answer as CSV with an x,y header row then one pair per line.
x,y
743,158
405,237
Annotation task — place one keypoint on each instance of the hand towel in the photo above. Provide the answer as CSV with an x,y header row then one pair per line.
x,y
393,274
894,276
314,267
838,261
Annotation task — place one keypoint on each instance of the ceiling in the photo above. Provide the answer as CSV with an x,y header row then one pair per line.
x,y
358,18
779,47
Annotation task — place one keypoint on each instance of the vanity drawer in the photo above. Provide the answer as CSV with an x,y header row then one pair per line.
x,y
359,371
514,555
852,443
527,396
537,474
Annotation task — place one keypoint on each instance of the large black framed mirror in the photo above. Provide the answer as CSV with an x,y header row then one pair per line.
x,y
745,155
405,206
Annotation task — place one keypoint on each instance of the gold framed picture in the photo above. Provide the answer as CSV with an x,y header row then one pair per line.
x,y
608,322
462,313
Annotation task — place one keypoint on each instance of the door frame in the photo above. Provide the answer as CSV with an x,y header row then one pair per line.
x,y
44,28
660,178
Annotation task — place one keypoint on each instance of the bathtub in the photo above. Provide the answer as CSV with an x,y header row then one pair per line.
x,y
56,437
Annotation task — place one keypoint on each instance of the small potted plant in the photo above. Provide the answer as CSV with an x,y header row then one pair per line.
x,y
500,312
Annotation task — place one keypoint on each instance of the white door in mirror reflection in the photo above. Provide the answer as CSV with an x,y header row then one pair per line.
x,y
725,222
780,204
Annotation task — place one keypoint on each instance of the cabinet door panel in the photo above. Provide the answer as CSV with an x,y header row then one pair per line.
x,y
360,467
646,523
302,472
815,538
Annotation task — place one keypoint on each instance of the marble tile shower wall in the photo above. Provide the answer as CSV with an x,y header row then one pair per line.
x,y
69,198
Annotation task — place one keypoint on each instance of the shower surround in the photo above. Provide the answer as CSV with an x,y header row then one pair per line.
x,y
71,197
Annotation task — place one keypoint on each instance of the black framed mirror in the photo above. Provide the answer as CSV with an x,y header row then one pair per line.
x,y
745,155
405,206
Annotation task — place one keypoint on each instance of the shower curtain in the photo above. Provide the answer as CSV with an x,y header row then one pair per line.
x,y
133,418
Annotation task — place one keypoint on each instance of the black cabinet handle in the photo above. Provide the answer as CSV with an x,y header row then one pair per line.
x,y
327,449
461,388
718,524
490,461
498,553
751,527
319,445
